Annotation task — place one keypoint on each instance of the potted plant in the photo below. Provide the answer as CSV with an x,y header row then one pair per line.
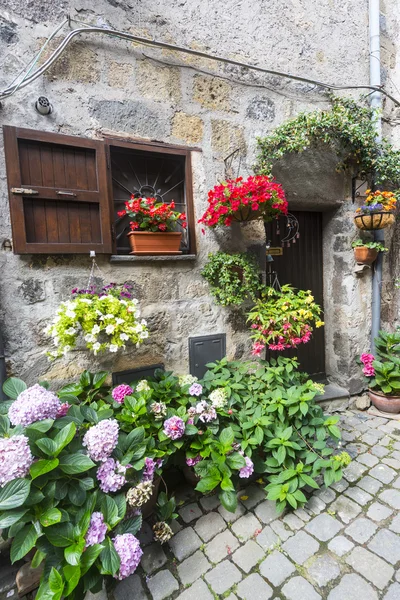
x,y
232,277
283,319
365,253
258,197
153,226
383,372
377,212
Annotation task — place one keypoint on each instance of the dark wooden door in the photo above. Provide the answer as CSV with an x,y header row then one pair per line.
x,y
301,266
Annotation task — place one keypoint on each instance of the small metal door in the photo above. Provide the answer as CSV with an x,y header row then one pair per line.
x,y
204,350
135,374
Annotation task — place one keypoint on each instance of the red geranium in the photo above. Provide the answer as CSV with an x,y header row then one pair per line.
x,y
148,215
257,193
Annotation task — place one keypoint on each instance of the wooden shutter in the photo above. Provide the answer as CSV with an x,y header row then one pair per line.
x,y
58,193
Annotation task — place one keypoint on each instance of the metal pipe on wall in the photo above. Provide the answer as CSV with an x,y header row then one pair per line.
x,y
3,372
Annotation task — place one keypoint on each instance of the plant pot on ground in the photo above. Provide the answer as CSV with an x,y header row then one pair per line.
x,y
389,404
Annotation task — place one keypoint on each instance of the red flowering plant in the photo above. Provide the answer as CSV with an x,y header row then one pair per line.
x,y
283,319
146,214
258,196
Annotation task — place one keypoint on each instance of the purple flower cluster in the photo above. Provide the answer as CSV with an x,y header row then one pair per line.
x,y
120,392
149,468
196,389
191,462
101,439
174,428
111,475
112,288
97,529
34,404
248,469
129,552
371,207
15,458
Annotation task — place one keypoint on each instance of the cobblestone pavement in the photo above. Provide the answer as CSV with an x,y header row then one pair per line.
x,y
344,545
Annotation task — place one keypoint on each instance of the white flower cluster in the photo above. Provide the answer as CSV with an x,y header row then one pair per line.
x,y
104,322
142,386
187,380
218,398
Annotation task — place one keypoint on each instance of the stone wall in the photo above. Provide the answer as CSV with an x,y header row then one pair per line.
x,y
102,83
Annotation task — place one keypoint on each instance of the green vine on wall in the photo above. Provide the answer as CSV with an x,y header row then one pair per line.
x,y
348,127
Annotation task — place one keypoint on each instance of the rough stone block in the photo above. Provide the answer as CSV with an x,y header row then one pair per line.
x,y
395,524
262,109
246,527
340,486
153,558
254,588
193,567
190,512
369,484
251,496
323,527
361,530
276,568
119,74
159,83
226,136
393,593
386,544
354,471
327,495
189,128
379,451
130,115
212,92
315,505
162,585
223,577
229,516
130,589
221,546
376,570
281,531
184,543
298,587
324,570
77,63
266,511
209,502
32,291
382,473
301,547
391,497
346,509
340,545
294,522
197,591
267,539
248,556
209,525
378,512
358,495
353,587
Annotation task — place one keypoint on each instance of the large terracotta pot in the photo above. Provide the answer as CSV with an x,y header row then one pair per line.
x,y
364,255
389,404
378,220
149,242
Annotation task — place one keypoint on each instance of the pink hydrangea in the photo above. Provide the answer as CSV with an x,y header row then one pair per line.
x,y
62,411
174,428
101,439
111,475
120,392
15,458
248,469
367,358
369,370
129,552
191,462
34,404
97,529
149,468
196,389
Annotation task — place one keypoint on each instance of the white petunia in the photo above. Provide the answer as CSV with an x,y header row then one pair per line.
x,y
144,335
66,350
70,331
113,348
110,329
124,336
119,321
96,329
143,322
109,316
70,313
86,300
96,346
90,338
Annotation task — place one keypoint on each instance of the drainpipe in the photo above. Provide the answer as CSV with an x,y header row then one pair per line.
x,y
3,374
376,103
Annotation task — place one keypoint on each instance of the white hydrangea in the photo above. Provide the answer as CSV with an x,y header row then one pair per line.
x,y
142,386
187,380
218,398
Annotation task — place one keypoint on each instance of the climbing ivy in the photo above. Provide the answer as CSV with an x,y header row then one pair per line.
x,y
348,127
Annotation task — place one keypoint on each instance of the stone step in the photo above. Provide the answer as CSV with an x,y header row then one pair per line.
x,y
334,399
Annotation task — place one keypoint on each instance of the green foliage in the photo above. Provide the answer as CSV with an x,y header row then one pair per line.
x,y
347,127
372,245
233,278
387,364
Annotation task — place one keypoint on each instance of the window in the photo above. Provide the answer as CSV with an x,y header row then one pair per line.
x,y
65,191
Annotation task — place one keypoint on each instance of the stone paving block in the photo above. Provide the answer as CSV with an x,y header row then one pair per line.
x,y
190,512
229,516
209,525
386,544
246,527
277,568
254,495
209,502
315,505
340,545
324,570
346,509
327,495
162,585
221,546
248,556
279,528
379,451
378,512
297,588
300,547
302,514
197,591
193,567
130,588
184,493
145,535
340,486
184,543
395,524
396,453
175,526
254,588
391,462
323,527
267,539
293,522
354,471
231,597
396,483
376,570
223,577
370,485
353,587
356,449
153,558
393,592
361,530
382,473
358,495
372,437
391,497
367,459
266,511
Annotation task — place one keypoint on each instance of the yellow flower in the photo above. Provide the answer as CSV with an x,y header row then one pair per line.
x,y
284,307
309,299
319,324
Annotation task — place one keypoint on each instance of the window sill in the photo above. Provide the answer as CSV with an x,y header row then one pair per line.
x,y
128,258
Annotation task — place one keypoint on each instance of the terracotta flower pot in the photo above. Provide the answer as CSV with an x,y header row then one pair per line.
x,y
389,404
364,255
149,242
378,220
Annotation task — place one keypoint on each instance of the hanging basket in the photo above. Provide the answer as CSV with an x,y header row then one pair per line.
x,y
364,255
245,214
378,220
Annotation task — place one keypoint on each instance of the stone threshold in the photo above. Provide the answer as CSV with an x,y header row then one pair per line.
x,y
334,399
124,258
